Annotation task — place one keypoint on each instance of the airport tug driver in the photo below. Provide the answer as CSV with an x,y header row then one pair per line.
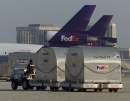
x,y
30,72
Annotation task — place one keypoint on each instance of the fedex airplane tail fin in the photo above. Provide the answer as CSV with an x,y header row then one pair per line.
x,y
80,21
99,29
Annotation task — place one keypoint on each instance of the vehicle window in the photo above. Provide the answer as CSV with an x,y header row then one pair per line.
x,y
21,71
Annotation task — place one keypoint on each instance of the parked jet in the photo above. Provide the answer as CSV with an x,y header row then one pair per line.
x,y
80,21
69,37
99,29
77,23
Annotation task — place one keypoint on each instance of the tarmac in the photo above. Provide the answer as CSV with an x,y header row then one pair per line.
x,y
7,94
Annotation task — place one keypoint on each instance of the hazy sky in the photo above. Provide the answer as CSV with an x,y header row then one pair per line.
x,y
17,13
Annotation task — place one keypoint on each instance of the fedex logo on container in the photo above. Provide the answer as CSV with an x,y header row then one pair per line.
x,y
71,38
102,67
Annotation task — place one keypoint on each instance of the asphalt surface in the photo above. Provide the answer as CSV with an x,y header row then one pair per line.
x,y
7,94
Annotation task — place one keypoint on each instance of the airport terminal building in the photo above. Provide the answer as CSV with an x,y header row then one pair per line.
x,y
35,33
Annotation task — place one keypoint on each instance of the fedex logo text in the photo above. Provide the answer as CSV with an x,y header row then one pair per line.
x,y
69,39
102,67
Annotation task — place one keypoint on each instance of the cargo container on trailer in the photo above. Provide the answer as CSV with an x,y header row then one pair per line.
x,y
93,68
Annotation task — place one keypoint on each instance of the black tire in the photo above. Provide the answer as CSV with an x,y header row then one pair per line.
x,y
64,88
67,89
115,90
31,88
25,85
37,88
56,89
82,90
51,88
110,90
95,90
100,90
71,89
14,85
41,88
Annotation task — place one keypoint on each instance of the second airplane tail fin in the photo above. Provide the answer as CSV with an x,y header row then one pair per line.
x,y
99,28
80,21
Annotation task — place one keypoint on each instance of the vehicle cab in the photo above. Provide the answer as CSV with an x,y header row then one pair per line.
x,y
17,76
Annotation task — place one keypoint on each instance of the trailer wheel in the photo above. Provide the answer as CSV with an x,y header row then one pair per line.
x,y
65,88
41,88
115,90
37,88
71,89
81,90
95,90
56,88
25,85
31,88
110,90
14,85
52,88
100,90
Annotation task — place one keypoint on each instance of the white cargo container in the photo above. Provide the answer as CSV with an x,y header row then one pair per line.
x,y
93,68
45,61
50,67
74,65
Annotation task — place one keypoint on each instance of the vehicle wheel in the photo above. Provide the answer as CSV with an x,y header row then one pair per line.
x,y
115,90
81,90
71,89
100,90
38,88
64,89
43,87
14,85
31,88
51,88
95,90
25,85
56,88
110,90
